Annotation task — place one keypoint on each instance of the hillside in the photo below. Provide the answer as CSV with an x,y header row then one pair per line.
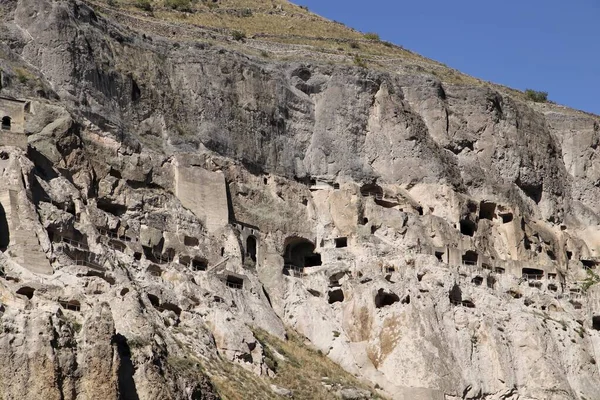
x,y
243,200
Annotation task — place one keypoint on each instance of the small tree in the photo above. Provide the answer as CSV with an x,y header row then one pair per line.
x,y
534,95
372,36
179,5
145,5
238,35
360,62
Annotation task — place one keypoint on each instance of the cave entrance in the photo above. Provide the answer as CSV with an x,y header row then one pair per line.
x,y
199,264
455,295
154,270
589,264
335,296
234,282
477,281
385,299
467,227
26,291
251,247
6,123
487,210
470,258
341,242
72,305
596,322
300,252
532,273
440,256
4,230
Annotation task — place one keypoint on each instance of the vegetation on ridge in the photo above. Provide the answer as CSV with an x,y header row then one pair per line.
x,y
309,374
534,95
259,27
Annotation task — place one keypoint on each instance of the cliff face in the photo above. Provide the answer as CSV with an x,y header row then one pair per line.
x,y
183,201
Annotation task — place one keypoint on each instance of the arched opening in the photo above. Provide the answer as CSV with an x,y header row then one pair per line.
x,y
300,252
373,190
6,123
251,248
455,295
171,307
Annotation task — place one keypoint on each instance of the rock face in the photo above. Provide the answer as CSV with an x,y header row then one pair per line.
x,y
437,240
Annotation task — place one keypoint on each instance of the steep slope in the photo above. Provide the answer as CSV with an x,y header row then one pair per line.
x,y
201,198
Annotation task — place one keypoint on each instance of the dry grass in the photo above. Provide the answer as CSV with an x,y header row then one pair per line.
x,y
303,370
281,22
274,21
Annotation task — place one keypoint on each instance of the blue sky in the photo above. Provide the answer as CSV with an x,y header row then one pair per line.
x,y
548,45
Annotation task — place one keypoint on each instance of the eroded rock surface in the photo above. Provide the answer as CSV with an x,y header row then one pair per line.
x,y
436,240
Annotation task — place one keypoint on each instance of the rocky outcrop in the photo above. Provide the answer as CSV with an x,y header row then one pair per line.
x,y
437,240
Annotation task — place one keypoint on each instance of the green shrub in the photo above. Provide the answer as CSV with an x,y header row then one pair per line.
x,y
238,35
179,5
360,62
534,95
246,12
372,36
590,281
210,4
145,5
22,75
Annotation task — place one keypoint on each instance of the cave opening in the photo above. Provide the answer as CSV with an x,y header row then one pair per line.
x,y
385,299
467,227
